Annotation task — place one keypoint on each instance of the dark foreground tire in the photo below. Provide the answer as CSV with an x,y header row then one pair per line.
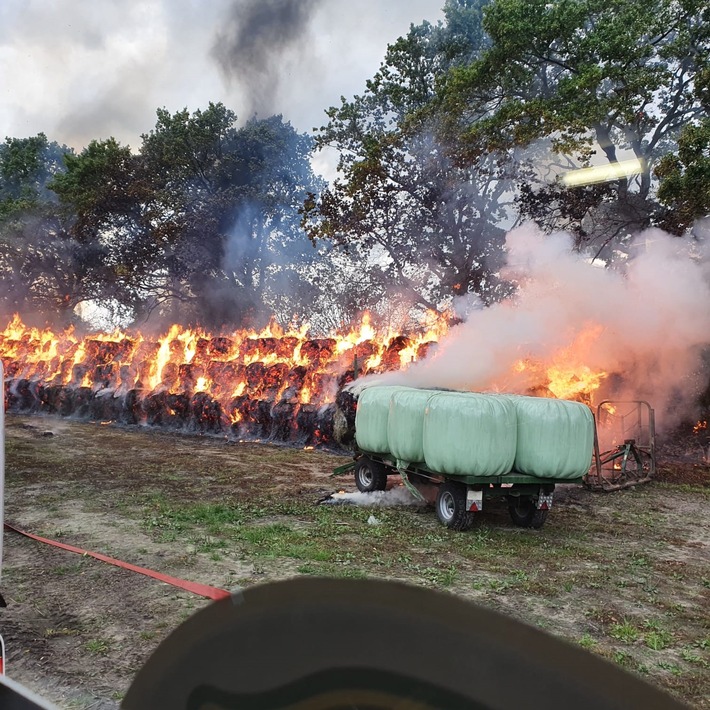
x,y
370,476
524,513
451,506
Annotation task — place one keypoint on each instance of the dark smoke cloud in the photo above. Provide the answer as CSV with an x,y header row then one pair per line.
x,y
80,71
262,37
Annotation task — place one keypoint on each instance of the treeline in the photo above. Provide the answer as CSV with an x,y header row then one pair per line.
x,y
201,223
464,130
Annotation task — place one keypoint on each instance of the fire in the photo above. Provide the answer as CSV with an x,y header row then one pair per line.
x,y
566,375
271,383
573,383
238,379
561,381
700,426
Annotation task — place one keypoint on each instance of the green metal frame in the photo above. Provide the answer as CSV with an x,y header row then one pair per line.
x,y
519,480
632,462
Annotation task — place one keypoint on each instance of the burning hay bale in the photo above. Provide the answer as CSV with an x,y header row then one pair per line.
x,y
267,385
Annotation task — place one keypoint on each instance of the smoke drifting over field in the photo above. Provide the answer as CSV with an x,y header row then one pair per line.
x,y
643,322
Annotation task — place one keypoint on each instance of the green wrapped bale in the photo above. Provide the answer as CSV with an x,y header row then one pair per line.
x,y
467,434
405,427
371,416
555,437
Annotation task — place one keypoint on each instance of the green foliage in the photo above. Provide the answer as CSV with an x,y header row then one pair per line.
x,y
229,201
202,224
429,226
624,631
582,74
26,167
685,178
39,260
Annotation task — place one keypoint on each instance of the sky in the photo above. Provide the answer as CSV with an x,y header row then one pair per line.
x,y
78,71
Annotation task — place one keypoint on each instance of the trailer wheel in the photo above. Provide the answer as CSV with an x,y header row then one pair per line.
x,y
524,513
451,506
370,476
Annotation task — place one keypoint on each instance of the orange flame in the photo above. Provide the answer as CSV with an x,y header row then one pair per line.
x,y
274,365
273,361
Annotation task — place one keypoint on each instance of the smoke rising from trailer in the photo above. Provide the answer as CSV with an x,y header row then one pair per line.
x,y
644,321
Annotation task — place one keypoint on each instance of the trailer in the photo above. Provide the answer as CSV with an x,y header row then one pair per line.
x,y
457,499
456,450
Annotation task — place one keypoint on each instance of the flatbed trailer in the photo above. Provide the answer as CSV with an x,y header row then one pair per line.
x,y
457,498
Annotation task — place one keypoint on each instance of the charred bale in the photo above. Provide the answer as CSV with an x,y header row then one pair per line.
x,y
106,376
295,378
255,417
224,376
169,376
26,395
205,413
105,407
11,368
391,359
188,374
50,397
219,346
426,349
83,397
155,408
274,378
283,421
254,375
132,407
79,373
344,419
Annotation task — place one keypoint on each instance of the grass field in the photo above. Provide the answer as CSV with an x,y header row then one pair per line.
x,y
625,575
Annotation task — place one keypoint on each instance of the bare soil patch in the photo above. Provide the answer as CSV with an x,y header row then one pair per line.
x,y
625,574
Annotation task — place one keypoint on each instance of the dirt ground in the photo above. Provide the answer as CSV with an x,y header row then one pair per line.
x,y
625,575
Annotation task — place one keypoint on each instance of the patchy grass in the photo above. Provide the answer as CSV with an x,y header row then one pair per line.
x,y
624,575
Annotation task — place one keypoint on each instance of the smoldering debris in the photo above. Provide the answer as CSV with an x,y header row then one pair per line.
x,y
394,497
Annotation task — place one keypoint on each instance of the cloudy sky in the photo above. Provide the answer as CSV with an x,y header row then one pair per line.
x,y
83,70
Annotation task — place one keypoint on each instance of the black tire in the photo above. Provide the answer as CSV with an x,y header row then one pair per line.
x,y
370,476
524,513
451,506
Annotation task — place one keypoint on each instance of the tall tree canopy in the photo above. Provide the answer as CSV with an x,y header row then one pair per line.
x,y
203,222
420,225
685,175
588,75
39,261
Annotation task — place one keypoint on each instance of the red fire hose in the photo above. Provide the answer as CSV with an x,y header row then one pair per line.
x,y
203,590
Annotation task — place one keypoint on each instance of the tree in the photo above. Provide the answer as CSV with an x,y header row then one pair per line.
x,y
107,201
582,74
229,199
38,258
685,176
421,226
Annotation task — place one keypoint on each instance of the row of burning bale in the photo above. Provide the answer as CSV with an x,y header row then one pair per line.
x,y
278,401
244,418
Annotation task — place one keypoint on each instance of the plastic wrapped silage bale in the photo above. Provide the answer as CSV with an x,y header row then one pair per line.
x,y
555,437
467,434
373,407
405,427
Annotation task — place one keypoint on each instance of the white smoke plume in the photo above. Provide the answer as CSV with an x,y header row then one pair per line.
x,y
396,496
644,322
